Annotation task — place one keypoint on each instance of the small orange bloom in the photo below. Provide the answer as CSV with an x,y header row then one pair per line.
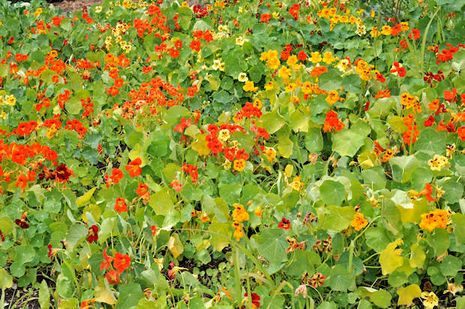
x,y
120,205
133,167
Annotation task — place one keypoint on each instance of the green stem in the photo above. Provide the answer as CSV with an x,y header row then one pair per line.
x,y
2,300
423,42
237,275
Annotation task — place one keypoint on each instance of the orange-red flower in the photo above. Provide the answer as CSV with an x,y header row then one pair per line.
x,y
106,263
133,167
120,205
113,277
332,122
121,262
461,133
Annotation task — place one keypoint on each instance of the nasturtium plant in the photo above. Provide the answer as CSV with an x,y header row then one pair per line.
x,y
232,154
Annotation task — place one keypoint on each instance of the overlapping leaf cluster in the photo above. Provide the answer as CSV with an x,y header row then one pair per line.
x,y
233,154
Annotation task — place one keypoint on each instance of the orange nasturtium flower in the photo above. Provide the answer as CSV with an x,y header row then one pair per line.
x,y
239,213
359,221
436,219
239,165
133,167
120,205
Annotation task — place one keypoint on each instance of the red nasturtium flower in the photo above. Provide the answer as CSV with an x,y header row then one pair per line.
x,y
106,263
121,262
450,95
428,192
142,190
332,122
113,277
22,223
49,250
92,234
21,181
153,229
398,69
255,300
120,205
461,133
115,178
176,185
284,224
133,167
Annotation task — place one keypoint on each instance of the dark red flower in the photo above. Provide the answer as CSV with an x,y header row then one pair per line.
x,y
92,234
285,224
22,223
50,251
255,299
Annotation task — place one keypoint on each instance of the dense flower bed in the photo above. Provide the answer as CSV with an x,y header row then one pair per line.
x,y
237,154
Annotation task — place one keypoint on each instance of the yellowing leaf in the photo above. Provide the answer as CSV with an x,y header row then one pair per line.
x,y
200,145
413,215
408,294
104,295
417,256
390,258
289,170
92,209
84,199
175,246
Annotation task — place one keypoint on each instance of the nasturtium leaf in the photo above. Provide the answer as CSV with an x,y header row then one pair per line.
x,y
397,124
403,167
453,189
200,145
220,235
381,298
7,225
334,218
299,121
332,192
375,178
436,277
44,295
314,140
327,305
458,222
129,295
174,114
73,106
230,192
377,238
103,294
417,256
23,255
272,121
6,280
431,141
175,245
85,198
450,266
223,97
390,258
340,279
107,228
460,302
439,241
408,294
76,234
271,244
161,202
285,146
65,287
347,142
